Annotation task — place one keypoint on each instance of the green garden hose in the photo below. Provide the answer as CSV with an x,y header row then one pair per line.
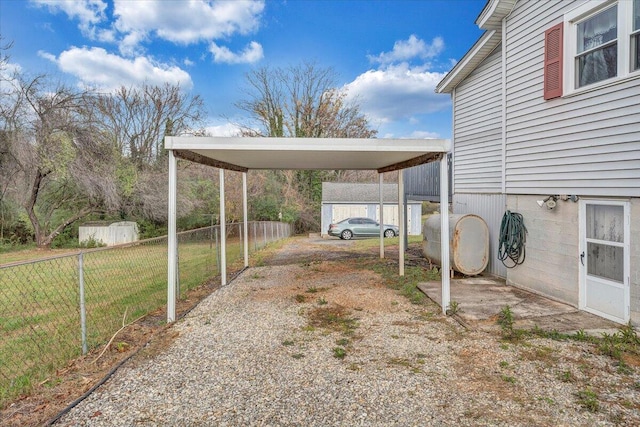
x,y
513,236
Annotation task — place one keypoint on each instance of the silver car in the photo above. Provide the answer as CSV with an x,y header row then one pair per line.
x,y
360,227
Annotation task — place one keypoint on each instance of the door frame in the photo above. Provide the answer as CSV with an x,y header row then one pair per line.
x,y
582,248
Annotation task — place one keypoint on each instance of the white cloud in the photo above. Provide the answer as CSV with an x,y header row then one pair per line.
x,y
421,134
412,48
398,92
187,22
226,129
252,53
89,12
96,67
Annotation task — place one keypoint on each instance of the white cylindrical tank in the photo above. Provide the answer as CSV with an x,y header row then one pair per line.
x,y
468,242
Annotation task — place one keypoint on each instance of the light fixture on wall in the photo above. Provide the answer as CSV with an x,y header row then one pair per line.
x,y
549,202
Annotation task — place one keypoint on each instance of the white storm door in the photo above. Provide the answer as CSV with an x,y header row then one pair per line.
x,y
604,259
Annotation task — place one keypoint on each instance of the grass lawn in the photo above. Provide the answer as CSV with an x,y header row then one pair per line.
x,y
40,301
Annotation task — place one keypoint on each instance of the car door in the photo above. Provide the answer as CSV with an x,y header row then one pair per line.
x,y
369,227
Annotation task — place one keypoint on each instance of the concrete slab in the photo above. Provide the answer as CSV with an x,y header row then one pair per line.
x,y
480,300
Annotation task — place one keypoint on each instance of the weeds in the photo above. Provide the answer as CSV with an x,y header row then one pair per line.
x,y
453,308
508,379
588,399
322,301
300,298
505,320
407,285
567,376
339,352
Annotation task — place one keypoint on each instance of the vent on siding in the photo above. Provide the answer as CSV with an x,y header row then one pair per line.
x,y
553,38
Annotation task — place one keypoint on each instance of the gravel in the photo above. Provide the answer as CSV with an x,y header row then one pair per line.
x,y
261,352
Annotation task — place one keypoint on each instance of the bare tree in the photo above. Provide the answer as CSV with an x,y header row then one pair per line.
x,y
300,101
138,118
61,162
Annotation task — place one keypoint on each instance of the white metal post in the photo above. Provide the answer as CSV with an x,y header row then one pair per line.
x,y
401,222
172,240
444,233
223,234
246,220
380,190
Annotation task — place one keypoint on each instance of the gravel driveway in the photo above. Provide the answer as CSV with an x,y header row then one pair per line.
x,y
320,340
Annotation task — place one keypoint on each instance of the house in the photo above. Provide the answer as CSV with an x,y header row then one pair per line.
x,y
108,234
345,200
546,113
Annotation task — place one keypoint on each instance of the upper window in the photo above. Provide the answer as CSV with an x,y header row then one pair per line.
x,y
635,37
597,47
601,43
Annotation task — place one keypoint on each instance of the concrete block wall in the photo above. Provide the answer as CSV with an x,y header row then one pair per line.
x,y
551,267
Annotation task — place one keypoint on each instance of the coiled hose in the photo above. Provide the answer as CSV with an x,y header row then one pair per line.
x,y
513,236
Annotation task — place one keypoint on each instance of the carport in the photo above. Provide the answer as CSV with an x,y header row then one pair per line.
x,y
243,154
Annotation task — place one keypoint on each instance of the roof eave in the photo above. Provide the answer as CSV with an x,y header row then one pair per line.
x,y
478,52
493,13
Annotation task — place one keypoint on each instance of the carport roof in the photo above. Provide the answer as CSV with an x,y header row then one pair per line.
x,y
241,154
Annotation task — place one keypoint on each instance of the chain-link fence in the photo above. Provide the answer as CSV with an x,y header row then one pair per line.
x,y
54,309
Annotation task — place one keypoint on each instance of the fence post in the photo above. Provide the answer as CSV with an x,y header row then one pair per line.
x,y
264,232
178,269
211,234
255,237
215,231
240,235
83,313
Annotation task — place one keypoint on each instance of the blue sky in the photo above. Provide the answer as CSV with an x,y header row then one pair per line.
x,y
389,55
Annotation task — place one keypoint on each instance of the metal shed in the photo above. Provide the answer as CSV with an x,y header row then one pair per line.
x,y
110,234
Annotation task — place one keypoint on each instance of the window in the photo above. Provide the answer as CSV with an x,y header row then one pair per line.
x,y
635,37
601,44
597,50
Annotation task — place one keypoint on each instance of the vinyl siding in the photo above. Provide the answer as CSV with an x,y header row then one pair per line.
x,y
478,129
586,144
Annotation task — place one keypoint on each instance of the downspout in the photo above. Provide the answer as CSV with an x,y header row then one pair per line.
x,y
504,97
504,103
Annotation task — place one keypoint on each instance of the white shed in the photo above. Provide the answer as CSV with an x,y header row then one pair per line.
x,y
112,234
341,200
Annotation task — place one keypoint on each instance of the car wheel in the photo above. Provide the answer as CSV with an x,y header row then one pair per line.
x,y
346,235
389,233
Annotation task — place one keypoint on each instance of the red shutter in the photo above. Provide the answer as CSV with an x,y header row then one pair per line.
x,y
553,40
